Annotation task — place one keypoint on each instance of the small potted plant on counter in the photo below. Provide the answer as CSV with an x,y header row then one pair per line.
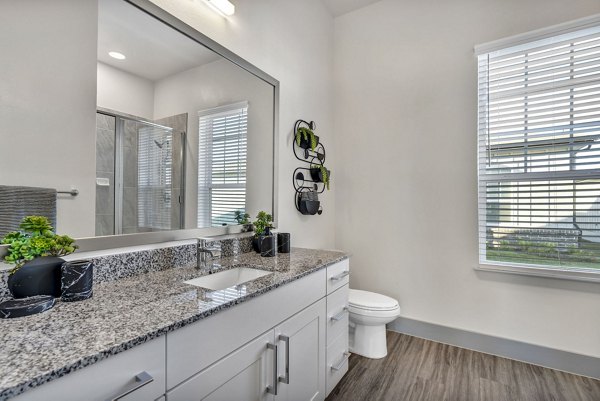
x,y
306,138
35,250
262,227
243,219
319,173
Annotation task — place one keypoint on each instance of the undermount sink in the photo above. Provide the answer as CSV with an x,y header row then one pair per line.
x,y
228,278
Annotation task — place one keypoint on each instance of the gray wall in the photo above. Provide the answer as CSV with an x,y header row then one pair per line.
x,y
48,103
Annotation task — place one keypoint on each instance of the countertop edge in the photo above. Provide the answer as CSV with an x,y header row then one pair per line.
x,y
88,360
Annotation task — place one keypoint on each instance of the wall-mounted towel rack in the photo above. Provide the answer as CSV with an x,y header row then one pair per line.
x,y
72,192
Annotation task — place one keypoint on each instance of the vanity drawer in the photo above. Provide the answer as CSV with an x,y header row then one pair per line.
x,y
337,361
110,378
337,313
338,275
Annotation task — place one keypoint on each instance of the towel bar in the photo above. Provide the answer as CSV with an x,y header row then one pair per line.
x,y
72,192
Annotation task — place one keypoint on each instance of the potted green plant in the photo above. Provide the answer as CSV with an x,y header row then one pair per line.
x,y
319,173
243,219
35,250
262,227
306,138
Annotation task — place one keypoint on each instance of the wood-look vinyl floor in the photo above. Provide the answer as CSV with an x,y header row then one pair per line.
x,y
422,370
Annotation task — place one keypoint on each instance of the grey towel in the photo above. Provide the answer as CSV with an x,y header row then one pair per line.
x,y
18,202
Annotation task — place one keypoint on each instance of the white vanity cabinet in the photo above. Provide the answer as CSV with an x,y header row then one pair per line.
x,y
288,344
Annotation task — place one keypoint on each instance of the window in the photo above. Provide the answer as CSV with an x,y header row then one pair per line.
x,y
222,164
539,152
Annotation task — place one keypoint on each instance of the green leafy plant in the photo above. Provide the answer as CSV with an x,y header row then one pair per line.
x,y
308,134
262,222
35,239
324,173
244,219
241,217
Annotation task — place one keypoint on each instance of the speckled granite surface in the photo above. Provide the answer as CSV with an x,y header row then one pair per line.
x,y
128,312
129,264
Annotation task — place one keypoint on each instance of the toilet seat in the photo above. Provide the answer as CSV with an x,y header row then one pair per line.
x,y
369,301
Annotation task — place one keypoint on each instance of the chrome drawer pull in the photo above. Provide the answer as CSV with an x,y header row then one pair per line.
x,y
340,276
286,379
341,363
273,389
140,381
340,315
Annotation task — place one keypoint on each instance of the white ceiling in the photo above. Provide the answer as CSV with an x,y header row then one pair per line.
x,y
341,7
153,50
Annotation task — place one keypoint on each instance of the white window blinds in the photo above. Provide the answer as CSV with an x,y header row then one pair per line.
x,y
539,152
222,164
155,174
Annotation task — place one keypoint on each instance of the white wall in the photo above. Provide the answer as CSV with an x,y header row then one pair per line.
x,y
124,92
269,35
216,84
48,101
406,201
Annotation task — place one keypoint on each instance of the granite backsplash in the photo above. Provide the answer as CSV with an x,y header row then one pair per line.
x,y
129,264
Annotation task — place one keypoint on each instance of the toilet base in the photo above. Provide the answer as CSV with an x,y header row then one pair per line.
x,y
368,341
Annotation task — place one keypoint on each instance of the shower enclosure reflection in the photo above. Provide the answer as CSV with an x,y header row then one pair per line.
x,y
139,174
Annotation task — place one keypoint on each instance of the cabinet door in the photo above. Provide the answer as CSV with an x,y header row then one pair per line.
x,y
243,375
301,342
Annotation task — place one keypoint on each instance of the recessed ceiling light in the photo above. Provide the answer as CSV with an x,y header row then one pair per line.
x,y
117,55
222,6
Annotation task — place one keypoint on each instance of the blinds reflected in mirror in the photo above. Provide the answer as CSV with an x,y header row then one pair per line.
x,y
222,163
539,152
155,169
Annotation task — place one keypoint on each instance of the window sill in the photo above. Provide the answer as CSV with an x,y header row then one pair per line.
x,y
588,275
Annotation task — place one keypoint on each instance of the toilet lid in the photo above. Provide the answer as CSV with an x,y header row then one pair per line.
x,y
371,300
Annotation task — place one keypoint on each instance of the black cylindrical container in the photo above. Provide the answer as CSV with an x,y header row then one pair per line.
x,y
283,242
268,245
77,280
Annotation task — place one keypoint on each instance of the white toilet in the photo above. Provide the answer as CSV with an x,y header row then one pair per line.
x,y
369,313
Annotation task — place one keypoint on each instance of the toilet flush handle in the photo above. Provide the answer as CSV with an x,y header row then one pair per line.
x,y
340,276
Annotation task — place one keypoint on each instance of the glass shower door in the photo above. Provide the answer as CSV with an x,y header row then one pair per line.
x,y
147,198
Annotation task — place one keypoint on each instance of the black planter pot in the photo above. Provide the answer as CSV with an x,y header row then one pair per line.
x,y
305,143
309,207
256,242
317,175
77,280
39,276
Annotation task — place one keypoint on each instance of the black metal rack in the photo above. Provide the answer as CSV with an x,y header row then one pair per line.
x,y
302,178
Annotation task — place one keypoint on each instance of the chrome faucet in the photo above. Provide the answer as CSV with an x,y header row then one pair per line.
x,y
206,256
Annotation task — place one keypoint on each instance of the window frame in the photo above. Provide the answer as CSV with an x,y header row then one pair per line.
x,y
569,273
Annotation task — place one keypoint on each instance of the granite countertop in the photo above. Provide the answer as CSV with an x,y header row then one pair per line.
x,y
128,312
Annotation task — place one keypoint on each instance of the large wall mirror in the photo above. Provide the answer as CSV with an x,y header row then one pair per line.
x,y
184,137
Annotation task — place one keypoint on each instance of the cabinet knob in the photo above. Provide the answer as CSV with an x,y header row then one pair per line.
x,y
339,315
273,389
340,276
341,363
141,379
